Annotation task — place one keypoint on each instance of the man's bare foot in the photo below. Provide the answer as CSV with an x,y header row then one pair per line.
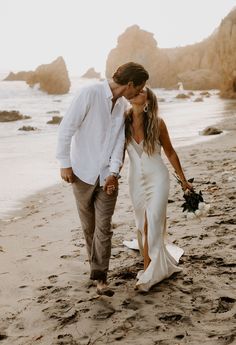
x,y
89,283
103,289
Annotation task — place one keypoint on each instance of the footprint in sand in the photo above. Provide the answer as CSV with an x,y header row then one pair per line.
x,y
3,336
53,278
63,312
65,339
179,336
45,287
224,304
130,304
171,318
80,245
66,256
228,339
103,311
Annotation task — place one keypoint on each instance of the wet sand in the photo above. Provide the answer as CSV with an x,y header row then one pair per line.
x,y
44,268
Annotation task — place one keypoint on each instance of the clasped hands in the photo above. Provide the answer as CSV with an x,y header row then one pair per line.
x,y
111,184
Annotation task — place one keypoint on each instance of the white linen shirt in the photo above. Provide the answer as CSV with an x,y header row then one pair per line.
x,y
91,137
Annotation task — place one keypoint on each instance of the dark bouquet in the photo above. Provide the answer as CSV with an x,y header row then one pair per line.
x,y
194,205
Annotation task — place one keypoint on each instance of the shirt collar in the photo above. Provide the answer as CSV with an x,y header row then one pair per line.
x,y
108,91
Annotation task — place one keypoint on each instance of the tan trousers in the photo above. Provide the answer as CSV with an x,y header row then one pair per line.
x,y
95,210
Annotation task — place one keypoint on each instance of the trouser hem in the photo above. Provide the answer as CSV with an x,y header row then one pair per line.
x,y
98,275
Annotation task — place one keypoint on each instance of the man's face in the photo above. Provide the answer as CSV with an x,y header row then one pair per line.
x,y
132,91
140,99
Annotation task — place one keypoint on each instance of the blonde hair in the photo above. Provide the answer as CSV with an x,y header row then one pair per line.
x,y
150,124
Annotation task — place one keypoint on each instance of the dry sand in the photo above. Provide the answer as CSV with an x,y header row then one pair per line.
x,y
43,267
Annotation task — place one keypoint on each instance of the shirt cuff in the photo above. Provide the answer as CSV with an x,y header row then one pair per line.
x,y
115,167
65,163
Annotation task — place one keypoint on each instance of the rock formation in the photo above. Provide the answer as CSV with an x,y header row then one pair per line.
x,y
210,131
210,64
91,73
200,79
27,128
226,50
23,75
55,120
53,78
7,116
139,46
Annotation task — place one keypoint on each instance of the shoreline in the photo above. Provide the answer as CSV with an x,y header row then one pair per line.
x,y
16,212
32,166
43,299
223,124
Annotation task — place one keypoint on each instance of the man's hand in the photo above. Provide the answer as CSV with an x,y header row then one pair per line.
x,y
111,184
67,175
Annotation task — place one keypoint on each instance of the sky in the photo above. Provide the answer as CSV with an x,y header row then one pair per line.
x,y
34,32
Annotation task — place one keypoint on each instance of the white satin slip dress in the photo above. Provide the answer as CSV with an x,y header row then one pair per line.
x,y
149,189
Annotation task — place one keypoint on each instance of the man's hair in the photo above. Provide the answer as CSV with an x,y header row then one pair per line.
x,y
130,71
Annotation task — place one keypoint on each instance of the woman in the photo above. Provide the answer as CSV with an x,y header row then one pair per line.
x,y
146,133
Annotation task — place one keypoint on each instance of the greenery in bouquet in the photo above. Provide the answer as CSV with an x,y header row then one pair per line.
x,y
194,205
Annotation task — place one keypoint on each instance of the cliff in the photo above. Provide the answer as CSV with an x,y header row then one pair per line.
x,y
210,64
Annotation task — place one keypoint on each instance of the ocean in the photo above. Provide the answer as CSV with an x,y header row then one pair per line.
x,y
27,159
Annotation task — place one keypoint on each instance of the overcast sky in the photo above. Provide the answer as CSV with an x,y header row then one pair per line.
x,y
33,32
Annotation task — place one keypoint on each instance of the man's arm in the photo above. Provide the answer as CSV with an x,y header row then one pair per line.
x,y
69,125
116,161
117,156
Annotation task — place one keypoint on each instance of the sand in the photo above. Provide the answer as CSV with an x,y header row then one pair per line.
x,y
44,268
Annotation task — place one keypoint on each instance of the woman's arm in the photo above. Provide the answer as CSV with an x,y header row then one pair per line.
x,y
172,155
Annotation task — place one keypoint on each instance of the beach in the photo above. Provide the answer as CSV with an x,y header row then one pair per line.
x,y
44,267
29,157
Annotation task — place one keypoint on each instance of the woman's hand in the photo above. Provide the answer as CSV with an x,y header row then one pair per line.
x,y
186,185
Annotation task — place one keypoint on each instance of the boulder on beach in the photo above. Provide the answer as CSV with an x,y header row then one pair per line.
x,y
8,116
91,73
210,131
205,93
52,78
182,95
55,120
198,99
27,128
22,75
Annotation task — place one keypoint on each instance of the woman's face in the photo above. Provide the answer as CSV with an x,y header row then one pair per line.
x,y
132,91
140,99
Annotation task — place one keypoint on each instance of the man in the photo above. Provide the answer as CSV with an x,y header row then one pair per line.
x,y
90,151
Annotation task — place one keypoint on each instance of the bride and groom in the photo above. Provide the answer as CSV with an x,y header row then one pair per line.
x,y
97,129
